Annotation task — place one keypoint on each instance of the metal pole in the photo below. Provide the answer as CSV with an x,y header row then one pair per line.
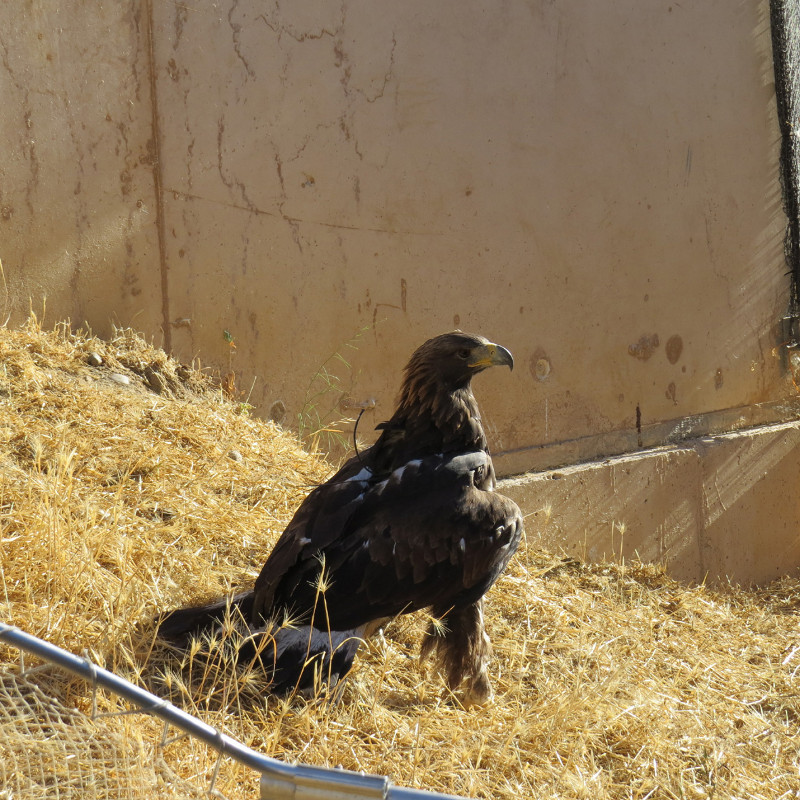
x,y
279,781
146,701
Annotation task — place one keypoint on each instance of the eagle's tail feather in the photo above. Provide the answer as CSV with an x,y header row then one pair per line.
x,y
179,625
463,650
303,660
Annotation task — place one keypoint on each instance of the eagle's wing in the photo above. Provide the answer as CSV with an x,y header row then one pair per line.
x,y
426,535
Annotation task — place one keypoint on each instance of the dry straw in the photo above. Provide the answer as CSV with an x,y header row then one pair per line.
x,y
129,485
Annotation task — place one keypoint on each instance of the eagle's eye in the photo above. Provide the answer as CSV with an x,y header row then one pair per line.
x,y
464,354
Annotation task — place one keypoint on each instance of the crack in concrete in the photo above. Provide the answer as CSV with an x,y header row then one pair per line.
x,y
177,193
351,93
279,29
181,15
278,22
236,30
232,183
293,223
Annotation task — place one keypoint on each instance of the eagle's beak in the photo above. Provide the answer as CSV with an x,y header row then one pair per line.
x,y
491,355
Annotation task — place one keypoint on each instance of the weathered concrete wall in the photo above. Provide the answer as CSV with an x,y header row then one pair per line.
x,y
715,508
77,197
595,186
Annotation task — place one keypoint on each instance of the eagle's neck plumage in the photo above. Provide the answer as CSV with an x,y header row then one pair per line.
x,y
449,414
431,418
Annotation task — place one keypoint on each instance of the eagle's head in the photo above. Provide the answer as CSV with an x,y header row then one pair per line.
x,y
436,411
450,360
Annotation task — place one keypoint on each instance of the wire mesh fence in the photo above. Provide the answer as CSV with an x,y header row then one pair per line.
x,y
52,748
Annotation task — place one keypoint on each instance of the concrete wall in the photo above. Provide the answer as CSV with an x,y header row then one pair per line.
x,y
595,186
77,196
715,509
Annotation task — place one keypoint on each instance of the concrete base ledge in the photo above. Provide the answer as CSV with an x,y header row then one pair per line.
x,y
717,508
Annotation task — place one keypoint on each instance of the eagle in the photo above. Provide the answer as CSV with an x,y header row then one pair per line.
x,y
410,523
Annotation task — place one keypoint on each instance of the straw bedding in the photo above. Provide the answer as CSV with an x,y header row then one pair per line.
x,y
129,485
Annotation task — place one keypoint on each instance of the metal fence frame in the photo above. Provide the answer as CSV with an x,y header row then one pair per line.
x,y
279,781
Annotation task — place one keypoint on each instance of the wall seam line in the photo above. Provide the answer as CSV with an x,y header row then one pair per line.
x,y
157,182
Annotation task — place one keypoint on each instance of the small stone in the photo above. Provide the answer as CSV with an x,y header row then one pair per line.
x,y
94,360
155,381
236,456
117,378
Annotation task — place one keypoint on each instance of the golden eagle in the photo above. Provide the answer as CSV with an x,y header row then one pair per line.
x,y
410,523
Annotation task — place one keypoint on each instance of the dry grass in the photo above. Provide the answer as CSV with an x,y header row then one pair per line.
x,y
117,501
